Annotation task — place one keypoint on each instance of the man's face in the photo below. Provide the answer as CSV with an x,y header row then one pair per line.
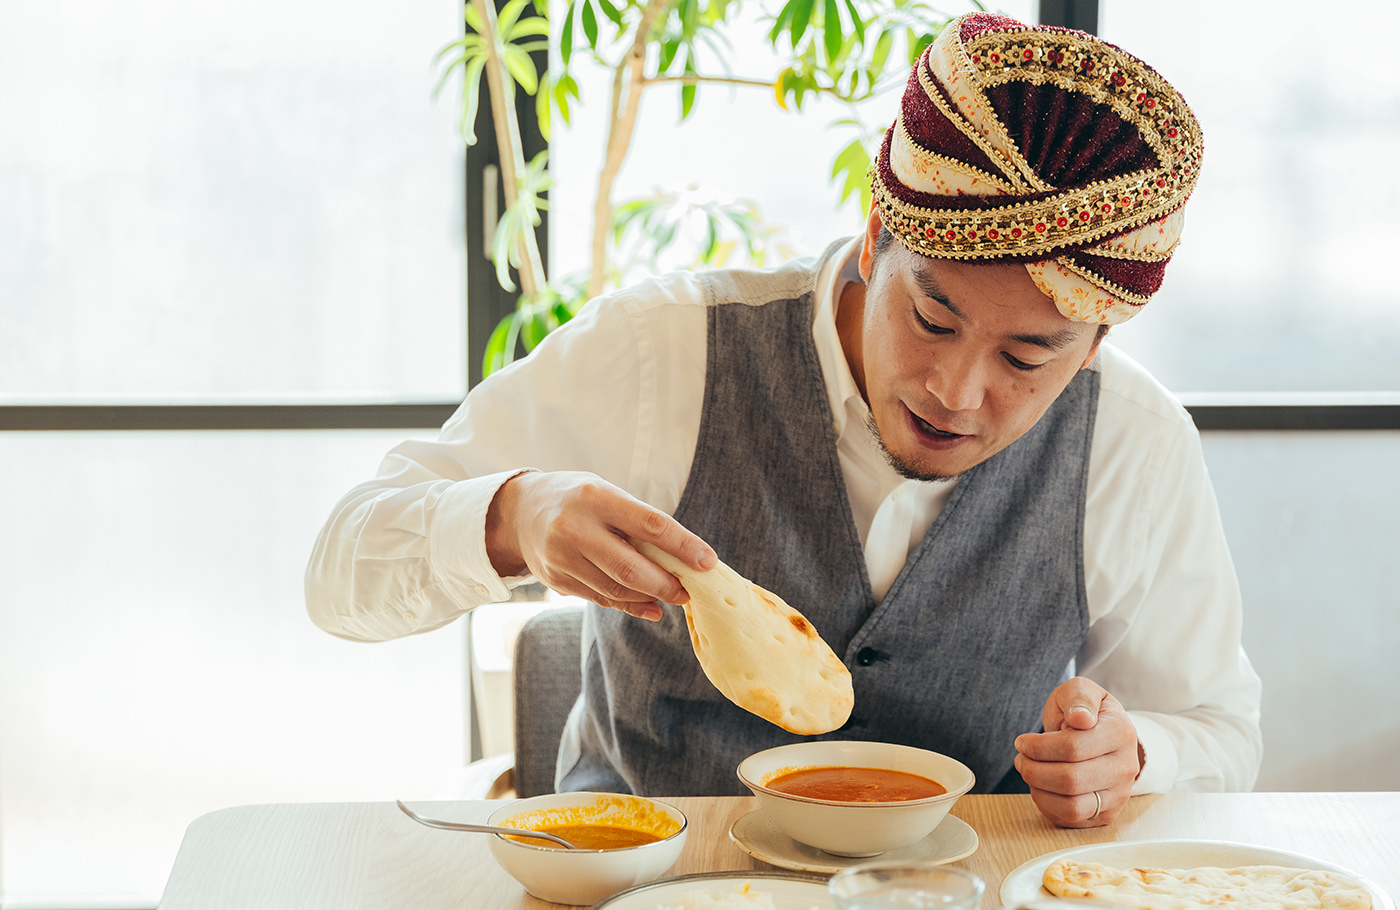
x,y
956,360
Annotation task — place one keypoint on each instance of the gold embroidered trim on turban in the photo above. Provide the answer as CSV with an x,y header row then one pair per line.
x,y
1041,145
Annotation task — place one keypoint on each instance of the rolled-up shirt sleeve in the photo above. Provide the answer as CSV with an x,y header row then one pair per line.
x,y
405,552
1167,642
397,560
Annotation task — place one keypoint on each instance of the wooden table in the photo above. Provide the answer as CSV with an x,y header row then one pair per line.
x,y
344,856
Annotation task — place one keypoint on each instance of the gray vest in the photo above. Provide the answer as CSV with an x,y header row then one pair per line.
x,y
960,655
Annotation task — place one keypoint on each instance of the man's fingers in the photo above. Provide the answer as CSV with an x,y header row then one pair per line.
x,y
1086,810
670,535
570,531
618,577
1075,703
1081,716
649,610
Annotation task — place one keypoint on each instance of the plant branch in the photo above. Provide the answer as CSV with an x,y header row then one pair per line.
x,y
629,79
696,79
508,145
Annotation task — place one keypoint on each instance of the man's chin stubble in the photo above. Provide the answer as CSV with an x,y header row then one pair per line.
x,y
902,467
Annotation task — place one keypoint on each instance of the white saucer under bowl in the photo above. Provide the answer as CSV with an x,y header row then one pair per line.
x,y
759,837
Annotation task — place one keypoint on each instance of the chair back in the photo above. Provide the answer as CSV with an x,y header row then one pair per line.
x,y
547,681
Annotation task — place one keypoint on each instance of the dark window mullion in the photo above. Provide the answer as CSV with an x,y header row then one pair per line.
x,y
487,302
431,415
1080,14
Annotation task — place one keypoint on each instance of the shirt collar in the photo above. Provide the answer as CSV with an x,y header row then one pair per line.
x,y
836,273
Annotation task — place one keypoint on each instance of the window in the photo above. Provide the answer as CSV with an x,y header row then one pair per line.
x,y
250,209
1282,282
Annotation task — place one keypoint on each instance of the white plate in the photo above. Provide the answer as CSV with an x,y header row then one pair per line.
x,y
1024,883
758,836
789,891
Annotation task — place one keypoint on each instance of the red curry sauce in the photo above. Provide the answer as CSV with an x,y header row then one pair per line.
x,y
854,785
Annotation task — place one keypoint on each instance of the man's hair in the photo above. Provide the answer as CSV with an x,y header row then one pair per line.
x,y
882,244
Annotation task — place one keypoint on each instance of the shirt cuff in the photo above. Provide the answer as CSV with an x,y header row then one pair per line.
x,y
1160,765
457,542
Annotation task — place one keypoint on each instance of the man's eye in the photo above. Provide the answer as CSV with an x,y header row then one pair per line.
x,y
930,327
1021,364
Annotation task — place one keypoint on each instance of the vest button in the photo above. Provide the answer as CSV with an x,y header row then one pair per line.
x,y
867,656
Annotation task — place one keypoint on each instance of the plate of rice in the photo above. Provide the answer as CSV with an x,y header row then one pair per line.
x,y
725,891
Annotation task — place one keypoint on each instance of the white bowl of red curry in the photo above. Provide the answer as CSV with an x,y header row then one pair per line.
x,y
624,841
854,798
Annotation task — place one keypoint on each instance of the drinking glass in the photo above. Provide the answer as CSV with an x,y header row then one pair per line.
x,y
905,886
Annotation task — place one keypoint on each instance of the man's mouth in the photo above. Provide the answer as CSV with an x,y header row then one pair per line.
x,y
929,429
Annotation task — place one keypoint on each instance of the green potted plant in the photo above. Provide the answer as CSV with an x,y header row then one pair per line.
x,y
847,50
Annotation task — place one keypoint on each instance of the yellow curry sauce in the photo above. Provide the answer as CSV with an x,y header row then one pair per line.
x,y
612,822
839,783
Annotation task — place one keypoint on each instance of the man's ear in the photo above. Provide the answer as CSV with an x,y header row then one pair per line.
x,y
867,249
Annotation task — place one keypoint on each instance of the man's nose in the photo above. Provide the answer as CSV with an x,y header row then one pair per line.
x,y
957,381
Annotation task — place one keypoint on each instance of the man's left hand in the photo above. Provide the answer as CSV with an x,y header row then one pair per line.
x,y
1081,770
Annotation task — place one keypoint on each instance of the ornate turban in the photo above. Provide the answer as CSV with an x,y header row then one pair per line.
x,y
1044,146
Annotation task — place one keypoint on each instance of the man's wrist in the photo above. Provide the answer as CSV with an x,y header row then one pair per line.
x,y
501,537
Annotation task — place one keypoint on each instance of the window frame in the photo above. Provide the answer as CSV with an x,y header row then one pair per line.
x,y
487,303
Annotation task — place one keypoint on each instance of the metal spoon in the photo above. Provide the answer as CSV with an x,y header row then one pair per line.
x,y
483,829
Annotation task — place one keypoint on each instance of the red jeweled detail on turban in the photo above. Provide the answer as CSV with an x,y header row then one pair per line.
x,y
978,24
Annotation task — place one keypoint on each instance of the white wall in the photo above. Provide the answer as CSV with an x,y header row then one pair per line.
x,y
1313,520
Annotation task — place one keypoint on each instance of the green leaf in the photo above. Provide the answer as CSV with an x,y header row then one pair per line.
x,y
512,335
494,356
832,38
801,16
565,89
687,98
501,253
689,15
527,27
566,37
711,239
505,19
543,101
521,69
883,45
688,89
590,25
471,98
857,23
780,22
668,50
533,330
447,73
447,49
854,161
612,12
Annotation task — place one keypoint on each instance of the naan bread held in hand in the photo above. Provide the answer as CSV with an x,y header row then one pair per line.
x,y
1237,888
759,652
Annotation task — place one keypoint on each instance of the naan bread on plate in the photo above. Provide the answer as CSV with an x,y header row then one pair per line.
x,y
1237,888
759,652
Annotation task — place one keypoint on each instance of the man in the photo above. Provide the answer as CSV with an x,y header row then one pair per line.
x,y
917,439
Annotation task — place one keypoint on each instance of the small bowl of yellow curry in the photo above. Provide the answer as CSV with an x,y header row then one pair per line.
x,y
853,798
620,841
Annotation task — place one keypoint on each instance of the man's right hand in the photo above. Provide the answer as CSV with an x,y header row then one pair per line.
x,y
570,530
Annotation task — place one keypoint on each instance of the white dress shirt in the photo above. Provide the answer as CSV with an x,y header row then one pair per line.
x,y
405,552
